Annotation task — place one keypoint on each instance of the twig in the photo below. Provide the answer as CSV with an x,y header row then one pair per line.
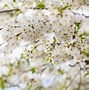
x,y
84,67
79,14
11,10
1,28
72,80
80,78
4,11
74,64
85,2
10,38
36,47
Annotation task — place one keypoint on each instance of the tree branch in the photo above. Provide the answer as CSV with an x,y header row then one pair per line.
x,y
72,80
79,87
11,10
4,11
79,14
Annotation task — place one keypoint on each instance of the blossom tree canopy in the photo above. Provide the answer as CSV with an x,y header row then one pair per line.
x,y
44,44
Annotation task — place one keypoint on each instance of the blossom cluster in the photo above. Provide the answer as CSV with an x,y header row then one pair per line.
x,y
40,41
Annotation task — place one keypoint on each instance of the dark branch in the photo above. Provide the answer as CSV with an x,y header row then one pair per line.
x,y
4,11
74,64
72,80
79,14
79,87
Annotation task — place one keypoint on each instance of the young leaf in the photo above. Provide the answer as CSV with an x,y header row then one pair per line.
x,y
63,87
60,71
75,89
48,59
2,83
14,1
61,9
86,52
77,26
40,5
87,74
33,70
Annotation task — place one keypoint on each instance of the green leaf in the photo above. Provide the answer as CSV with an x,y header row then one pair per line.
x,y
87,74
14,1
60,71
10,72
75,89
63,87
62,9
2,83
41,5
65,7
83,35
33,70
86,52
29,86
48,59
68,77
17,13
39,88
5,5
77,26
53,44
63,1
22,56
